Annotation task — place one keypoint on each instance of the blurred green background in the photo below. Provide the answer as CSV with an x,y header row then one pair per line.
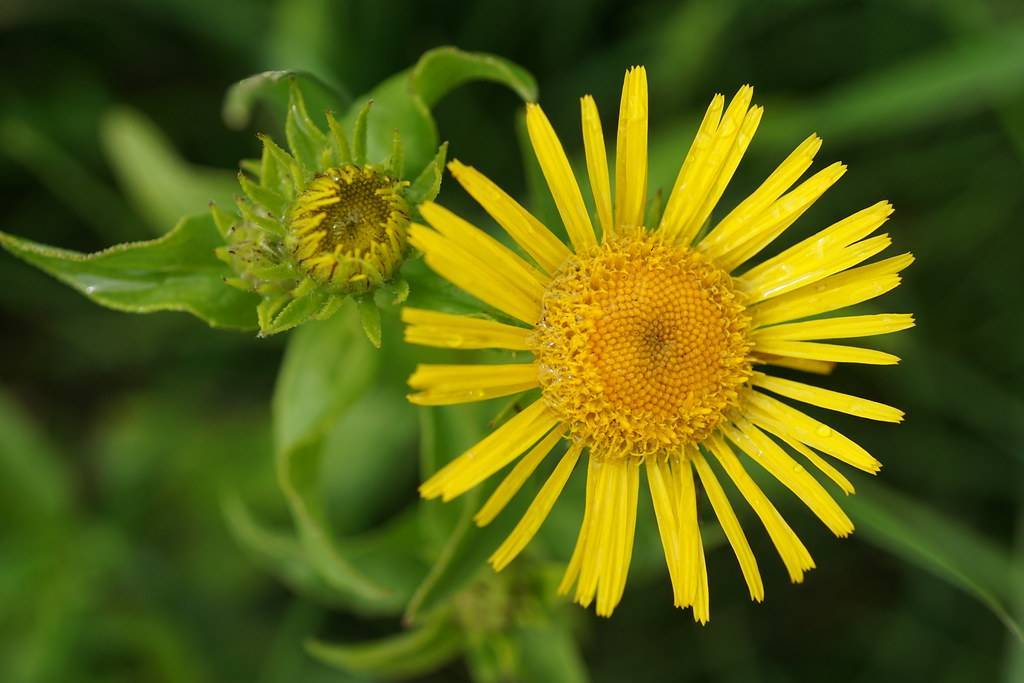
x,y
121,437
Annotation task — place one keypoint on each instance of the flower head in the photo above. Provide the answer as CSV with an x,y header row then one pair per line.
x,y
347,228
320,222
650,340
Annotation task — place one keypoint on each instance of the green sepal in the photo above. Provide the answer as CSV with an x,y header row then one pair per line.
x,y
305,139
253,167
286,175
397,291
256,217
428,183
359,134
270,200
369,314
339,141
268,309
396,162
655,207
295,313
271,174
224,220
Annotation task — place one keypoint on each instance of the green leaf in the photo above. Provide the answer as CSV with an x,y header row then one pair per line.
x,y
326,367
403,101
161,185
271,88
443,69
548,652
277,552
176,272
942,546
418,651
369,314
368,458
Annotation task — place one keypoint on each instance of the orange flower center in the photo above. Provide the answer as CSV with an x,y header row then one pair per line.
x,y
641,346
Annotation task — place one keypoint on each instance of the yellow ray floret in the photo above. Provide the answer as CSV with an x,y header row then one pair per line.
x,y
511,484
597,165
528,232
558,173
731,527
431,328
446,384
631,152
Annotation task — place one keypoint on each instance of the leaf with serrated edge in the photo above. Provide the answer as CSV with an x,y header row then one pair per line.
x,y
176,272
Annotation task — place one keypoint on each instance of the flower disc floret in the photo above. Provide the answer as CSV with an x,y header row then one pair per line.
x,y
641,346
347,229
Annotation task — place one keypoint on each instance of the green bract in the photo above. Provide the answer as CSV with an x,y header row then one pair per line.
x,y
320,221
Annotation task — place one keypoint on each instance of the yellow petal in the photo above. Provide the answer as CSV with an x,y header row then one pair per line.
x,y
830,251
558,173
482,280
769,455
826,468
499,448
620,536
485,247
663,497
695,576
511,484
789,423
732,162
538,511
837,328
825,398
817,367
780,215
734,228
447,384
683,200
446,330
835,353
528,232
836,291
685,204
574,568
597,164
731,527
792,551
631,152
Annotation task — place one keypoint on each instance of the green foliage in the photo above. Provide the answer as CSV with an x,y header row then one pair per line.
x,y
418,651
403,102
161,185
942,546
161,523
176,272
326,368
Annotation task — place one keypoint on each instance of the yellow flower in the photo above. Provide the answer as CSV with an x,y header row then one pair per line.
x,y
650,345
347,229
